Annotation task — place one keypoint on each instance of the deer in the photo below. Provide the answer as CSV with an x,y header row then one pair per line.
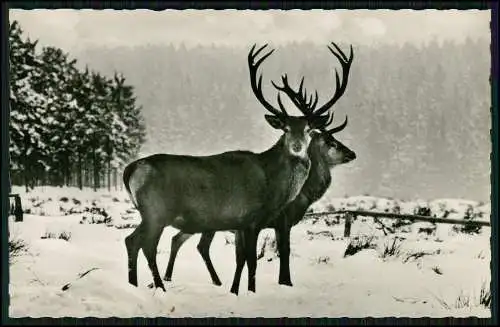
x,y
325,152
233,190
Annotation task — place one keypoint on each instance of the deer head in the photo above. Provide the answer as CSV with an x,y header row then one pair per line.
x,y
336,152
297,129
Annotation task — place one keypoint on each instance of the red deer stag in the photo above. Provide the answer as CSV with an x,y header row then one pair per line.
x,y
229,191
325,152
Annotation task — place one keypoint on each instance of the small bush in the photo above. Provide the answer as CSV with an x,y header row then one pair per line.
x,y
61,236
392,249
427,230
126,225
48,235
324,233
323,259
358,244
419,254
229,239
64,199
422,211
17,247
470,226
462,301
437,270
268,245
485,295
64,236
331,220
96,215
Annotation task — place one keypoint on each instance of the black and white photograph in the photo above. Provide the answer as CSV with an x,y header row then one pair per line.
x,y
249,163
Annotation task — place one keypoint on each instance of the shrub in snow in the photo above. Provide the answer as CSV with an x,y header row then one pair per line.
x,y
61,236
437,270
470,227
392,248
268,248
322,233
323,260
96,215
419,254
422,210
358,244
17,247
126,225
485,295
229,238
427,230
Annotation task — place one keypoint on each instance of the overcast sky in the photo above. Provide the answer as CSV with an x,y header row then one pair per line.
x,y
74,30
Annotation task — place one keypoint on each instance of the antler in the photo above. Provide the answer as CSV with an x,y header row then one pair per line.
x,y
338,128
340,86
307,104
299,98
257,85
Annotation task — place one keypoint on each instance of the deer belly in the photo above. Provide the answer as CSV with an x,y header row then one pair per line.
x,y
227,217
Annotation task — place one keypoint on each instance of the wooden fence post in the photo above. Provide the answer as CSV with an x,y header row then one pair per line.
x,y
18,208
348,222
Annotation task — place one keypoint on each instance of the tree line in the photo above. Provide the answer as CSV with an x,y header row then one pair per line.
x,y
419,116
68,126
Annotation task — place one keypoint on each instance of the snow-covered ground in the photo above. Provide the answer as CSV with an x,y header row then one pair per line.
x,y
434,270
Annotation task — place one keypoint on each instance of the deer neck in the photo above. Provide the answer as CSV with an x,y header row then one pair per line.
x,y
319,178
286,174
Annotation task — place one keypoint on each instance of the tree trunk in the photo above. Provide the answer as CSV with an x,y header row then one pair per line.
x,y
109,174
79,172
97,171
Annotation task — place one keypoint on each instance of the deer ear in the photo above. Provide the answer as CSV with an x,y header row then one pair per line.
x,y
275,121
319,122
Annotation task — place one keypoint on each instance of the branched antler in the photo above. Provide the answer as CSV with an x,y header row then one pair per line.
x,y
307,103
257,84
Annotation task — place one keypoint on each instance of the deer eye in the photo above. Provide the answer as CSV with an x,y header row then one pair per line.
x,y
332,144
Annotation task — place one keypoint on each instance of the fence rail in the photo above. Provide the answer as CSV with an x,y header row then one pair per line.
x,y
350,215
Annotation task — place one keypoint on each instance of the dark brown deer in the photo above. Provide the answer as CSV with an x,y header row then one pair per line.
x,y
228,191
325,153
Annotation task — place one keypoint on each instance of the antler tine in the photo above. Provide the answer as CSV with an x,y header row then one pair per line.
x,y
282,107
330,119
257,85
340,86
315,100
288,91
340,52
301,90
310,101
338,128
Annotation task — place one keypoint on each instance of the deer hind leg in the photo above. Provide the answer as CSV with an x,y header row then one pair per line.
x,y
240,261
204,250
176,244
133,244
151,237
251,256
283,240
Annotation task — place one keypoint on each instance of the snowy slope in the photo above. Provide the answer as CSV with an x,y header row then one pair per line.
x,y
437,274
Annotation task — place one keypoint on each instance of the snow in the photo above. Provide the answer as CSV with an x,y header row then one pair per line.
x,y
445,280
